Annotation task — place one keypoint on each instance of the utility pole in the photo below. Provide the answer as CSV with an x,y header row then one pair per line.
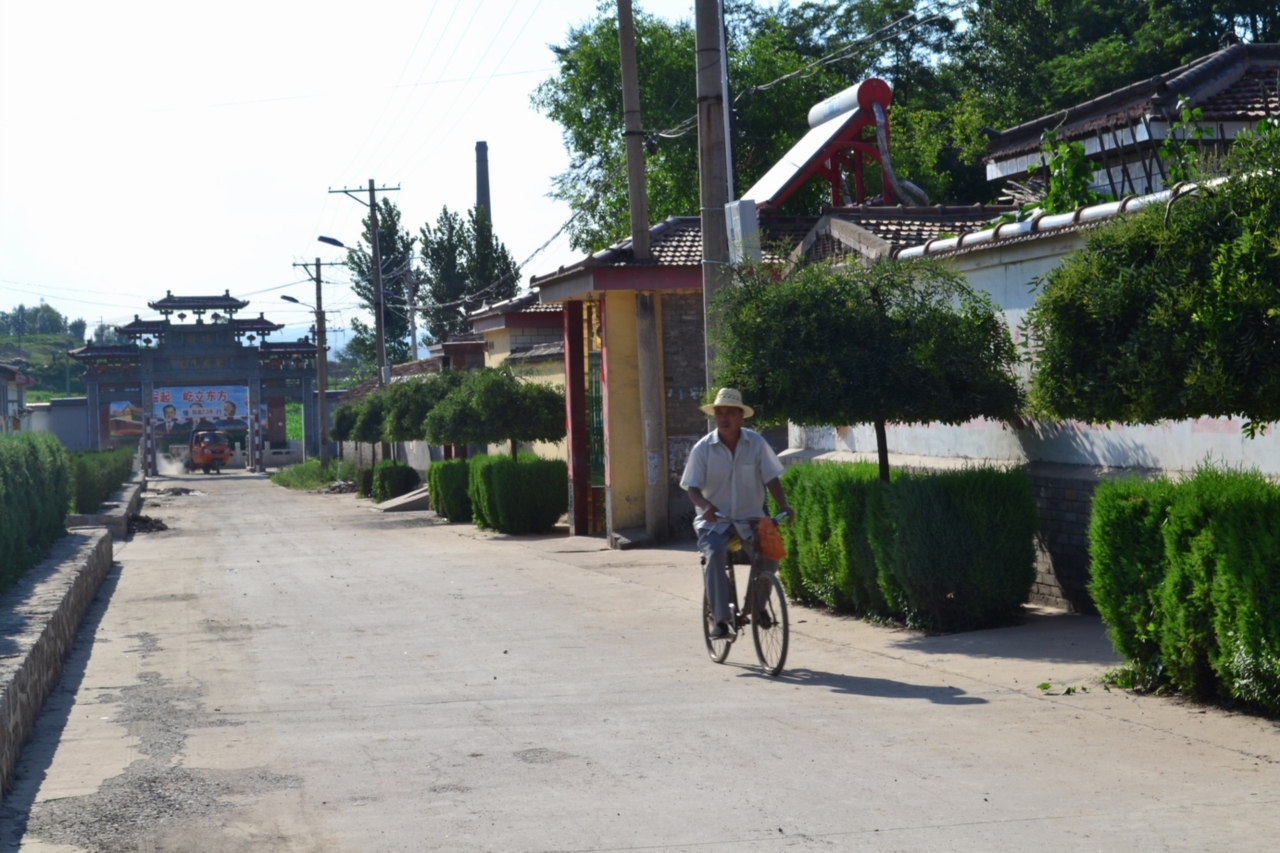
x,y
384,372
633,133
322,366
712,168
648,348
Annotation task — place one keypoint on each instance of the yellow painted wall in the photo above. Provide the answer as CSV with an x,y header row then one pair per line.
x,y
497,348
623,441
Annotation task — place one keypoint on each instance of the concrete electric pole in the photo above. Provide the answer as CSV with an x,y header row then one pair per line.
x,y
656,489
712,169
384,372
322,364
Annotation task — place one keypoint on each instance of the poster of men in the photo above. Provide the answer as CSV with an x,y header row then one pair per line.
x,y
178,411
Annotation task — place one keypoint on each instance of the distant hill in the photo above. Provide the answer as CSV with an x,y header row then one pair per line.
x,y
44,359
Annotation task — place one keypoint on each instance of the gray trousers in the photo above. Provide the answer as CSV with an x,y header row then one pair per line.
x,y
712,545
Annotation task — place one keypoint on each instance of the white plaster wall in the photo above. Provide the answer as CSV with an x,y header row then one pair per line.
x,y
1009,274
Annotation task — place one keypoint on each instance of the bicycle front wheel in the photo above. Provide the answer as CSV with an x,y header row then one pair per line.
x,y
717,649
769,626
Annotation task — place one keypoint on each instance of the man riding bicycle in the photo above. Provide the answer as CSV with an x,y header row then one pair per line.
x,y
726,478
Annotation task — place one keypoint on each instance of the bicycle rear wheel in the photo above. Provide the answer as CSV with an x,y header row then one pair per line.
x,y
769,626
717,649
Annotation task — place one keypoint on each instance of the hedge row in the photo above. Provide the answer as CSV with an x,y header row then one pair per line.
x,y
35,491
525,496
1187,578
96,475
391,479
945,552
447,489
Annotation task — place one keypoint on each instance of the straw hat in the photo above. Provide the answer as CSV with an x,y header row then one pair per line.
x,y
729,397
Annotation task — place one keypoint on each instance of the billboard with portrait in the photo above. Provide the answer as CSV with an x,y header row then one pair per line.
x,y
178,411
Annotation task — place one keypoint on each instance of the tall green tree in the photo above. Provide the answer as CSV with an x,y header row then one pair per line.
x,y
399,279
42,319
465,265
779,65
899,342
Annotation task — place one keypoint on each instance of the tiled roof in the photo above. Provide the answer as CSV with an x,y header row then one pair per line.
x,y
143,327
115,351
1235,84
255,324
677,241
1256,95
525,303
1040,225
900,227
226,302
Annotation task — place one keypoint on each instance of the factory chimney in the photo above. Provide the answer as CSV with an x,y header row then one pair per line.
x,y
482,179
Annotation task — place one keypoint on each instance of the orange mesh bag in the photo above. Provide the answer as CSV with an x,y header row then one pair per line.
x,y
769,540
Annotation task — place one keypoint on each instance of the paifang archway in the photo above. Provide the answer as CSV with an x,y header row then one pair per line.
x,y
198,365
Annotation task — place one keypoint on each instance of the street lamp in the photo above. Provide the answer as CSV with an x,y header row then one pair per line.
x,y
322,380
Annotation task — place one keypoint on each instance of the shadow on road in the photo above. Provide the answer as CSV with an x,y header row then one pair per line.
x,y
857,685
1047,636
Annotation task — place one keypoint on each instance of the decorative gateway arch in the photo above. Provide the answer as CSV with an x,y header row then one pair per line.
x,y
199,366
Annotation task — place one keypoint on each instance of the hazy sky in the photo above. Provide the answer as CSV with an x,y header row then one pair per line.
x,y
189,146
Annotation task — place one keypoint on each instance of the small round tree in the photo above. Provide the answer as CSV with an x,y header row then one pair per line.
x,y
1174,312
407,403
344,421
491,406
896,342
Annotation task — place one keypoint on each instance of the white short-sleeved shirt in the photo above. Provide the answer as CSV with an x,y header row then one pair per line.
x,y
733,481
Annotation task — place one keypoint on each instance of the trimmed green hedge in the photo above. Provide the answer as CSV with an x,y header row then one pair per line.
x,y
96,475
35,491
519,497
391,479
1126,555
364,483
447,488
945,552
1187,578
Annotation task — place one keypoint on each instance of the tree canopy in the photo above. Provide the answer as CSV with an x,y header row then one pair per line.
x,y
1174,312
998,64
466,265
450,268
396,250
491,406
408,403
898,342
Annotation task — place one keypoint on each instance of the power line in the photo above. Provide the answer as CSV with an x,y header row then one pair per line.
x,y
475,98
457,44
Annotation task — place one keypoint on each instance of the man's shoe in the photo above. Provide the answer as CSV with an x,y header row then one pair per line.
x,y
723,631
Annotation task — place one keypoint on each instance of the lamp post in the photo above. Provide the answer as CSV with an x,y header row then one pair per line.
x,y
321,370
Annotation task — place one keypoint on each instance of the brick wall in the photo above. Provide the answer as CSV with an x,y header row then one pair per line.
x,y
1064,500
684,375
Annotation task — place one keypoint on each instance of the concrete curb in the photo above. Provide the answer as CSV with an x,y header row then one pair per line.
x,y
125,503
39,619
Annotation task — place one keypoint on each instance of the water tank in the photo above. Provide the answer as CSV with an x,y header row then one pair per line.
x,y
864,94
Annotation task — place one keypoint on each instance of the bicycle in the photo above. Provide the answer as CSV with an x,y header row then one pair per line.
x,y
764,608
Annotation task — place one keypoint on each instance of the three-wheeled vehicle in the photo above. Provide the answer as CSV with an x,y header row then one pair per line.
x,y
209,450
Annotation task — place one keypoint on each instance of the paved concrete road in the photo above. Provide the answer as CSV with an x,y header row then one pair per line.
x,y
297,672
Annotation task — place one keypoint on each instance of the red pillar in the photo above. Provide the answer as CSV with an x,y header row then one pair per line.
x,y
575,399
